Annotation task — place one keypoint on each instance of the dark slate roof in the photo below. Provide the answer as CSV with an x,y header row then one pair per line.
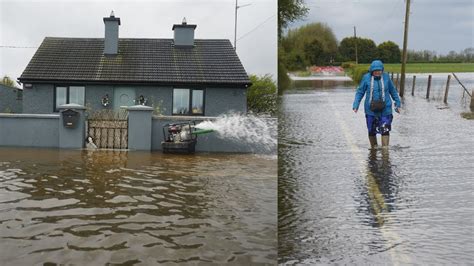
x,y
151,61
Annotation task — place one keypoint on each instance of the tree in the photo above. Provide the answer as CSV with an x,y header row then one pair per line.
x,y
389,52
366,49
300,43
289,11
7,81
262,95
295,60
314,52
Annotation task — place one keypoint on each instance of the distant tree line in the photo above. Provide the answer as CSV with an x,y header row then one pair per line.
x,y
426,56
316,44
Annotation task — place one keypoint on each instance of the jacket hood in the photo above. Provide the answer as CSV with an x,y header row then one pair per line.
x,y
376,65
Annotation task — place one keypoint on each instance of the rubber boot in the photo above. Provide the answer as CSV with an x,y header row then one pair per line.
x,y
373,141
385,141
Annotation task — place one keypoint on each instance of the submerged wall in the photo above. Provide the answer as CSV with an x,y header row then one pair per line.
x,y
29,130
145,131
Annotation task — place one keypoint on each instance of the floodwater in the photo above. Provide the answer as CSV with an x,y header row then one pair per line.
x,y
134,208
341,203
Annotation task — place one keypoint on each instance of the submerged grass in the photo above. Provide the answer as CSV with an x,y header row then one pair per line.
x,y
468,115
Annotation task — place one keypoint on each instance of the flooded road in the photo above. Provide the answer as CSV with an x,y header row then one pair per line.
x,y
134,208
341,203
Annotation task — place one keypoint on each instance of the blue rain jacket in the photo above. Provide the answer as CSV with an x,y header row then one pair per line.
x,y
364,89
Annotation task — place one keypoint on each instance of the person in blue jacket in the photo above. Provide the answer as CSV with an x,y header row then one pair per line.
x,y
379,92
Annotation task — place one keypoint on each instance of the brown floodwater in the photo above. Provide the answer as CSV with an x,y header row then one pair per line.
x,y
136,208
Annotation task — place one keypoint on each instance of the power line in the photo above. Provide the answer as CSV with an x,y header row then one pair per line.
x,y
259,25
12,46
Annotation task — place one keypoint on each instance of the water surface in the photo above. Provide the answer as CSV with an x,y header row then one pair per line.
x,y
341,203
134,208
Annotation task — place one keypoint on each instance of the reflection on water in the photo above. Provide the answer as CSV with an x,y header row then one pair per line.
x,y
321,84
341,203
380,185
79,207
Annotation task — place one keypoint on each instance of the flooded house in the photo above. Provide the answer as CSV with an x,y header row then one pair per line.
x,y
160,82
180,76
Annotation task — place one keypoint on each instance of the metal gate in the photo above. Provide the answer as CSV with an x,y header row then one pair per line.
x,y
108,129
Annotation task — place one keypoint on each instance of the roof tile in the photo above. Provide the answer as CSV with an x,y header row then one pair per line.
x,y
138,60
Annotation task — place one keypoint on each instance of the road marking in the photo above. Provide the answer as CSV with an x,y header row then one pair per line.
x,y
377,200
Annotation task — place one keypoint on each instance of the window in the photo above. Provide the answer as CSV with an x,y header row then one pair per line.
x,y
180,101
188,102
68,94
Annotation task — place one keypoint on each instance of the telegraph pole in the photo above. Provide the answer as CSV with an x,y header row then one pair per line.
x,y
235,23
355,39
404,55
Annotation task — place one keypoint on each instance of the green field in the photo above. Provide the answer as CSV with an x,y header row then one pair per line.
x,y
428,67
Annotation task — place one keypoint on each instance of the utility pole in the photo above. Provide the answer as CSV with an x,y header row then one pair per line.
x,y
235,23
355,39
404,55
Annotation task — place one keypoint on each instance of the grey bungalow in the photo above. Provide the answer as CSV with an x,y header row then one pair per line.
x,y
179,76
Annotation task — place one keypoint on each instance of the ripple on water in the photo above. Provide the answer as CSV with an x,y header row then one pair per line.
x,y
116,207
340,203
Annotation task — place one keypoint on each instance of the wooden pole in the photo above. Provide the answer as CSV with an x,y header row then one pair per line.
x,y
392,77
456,77
355,40
396,81
404,54
472,101
447,90
413,87
428,88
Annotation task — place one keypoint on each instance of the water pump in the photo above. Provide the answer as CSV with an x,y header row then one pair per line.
x,y
181,137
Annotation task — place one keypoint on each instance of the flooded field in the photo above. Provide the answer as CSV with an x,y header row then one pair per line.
x,y
133,208
340,202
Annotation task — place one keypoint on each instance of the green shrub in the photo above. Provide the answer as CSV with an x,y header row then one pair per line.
x,y
357,73
283,79
348,65
262,95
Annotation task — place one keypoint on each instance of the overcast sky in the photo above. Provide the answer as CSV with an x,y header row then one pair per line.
x,y
26,23
439,25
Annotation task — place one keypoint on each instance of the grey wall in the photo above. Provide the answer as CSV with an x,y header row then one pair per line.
x,y
28,130
223,100
157,96
10,100
38,99
139,127
94,95
111,35
72,138
184,36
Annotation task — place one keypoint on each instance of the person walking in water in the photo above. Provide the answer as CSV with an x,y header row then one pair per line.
x,y
379,92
